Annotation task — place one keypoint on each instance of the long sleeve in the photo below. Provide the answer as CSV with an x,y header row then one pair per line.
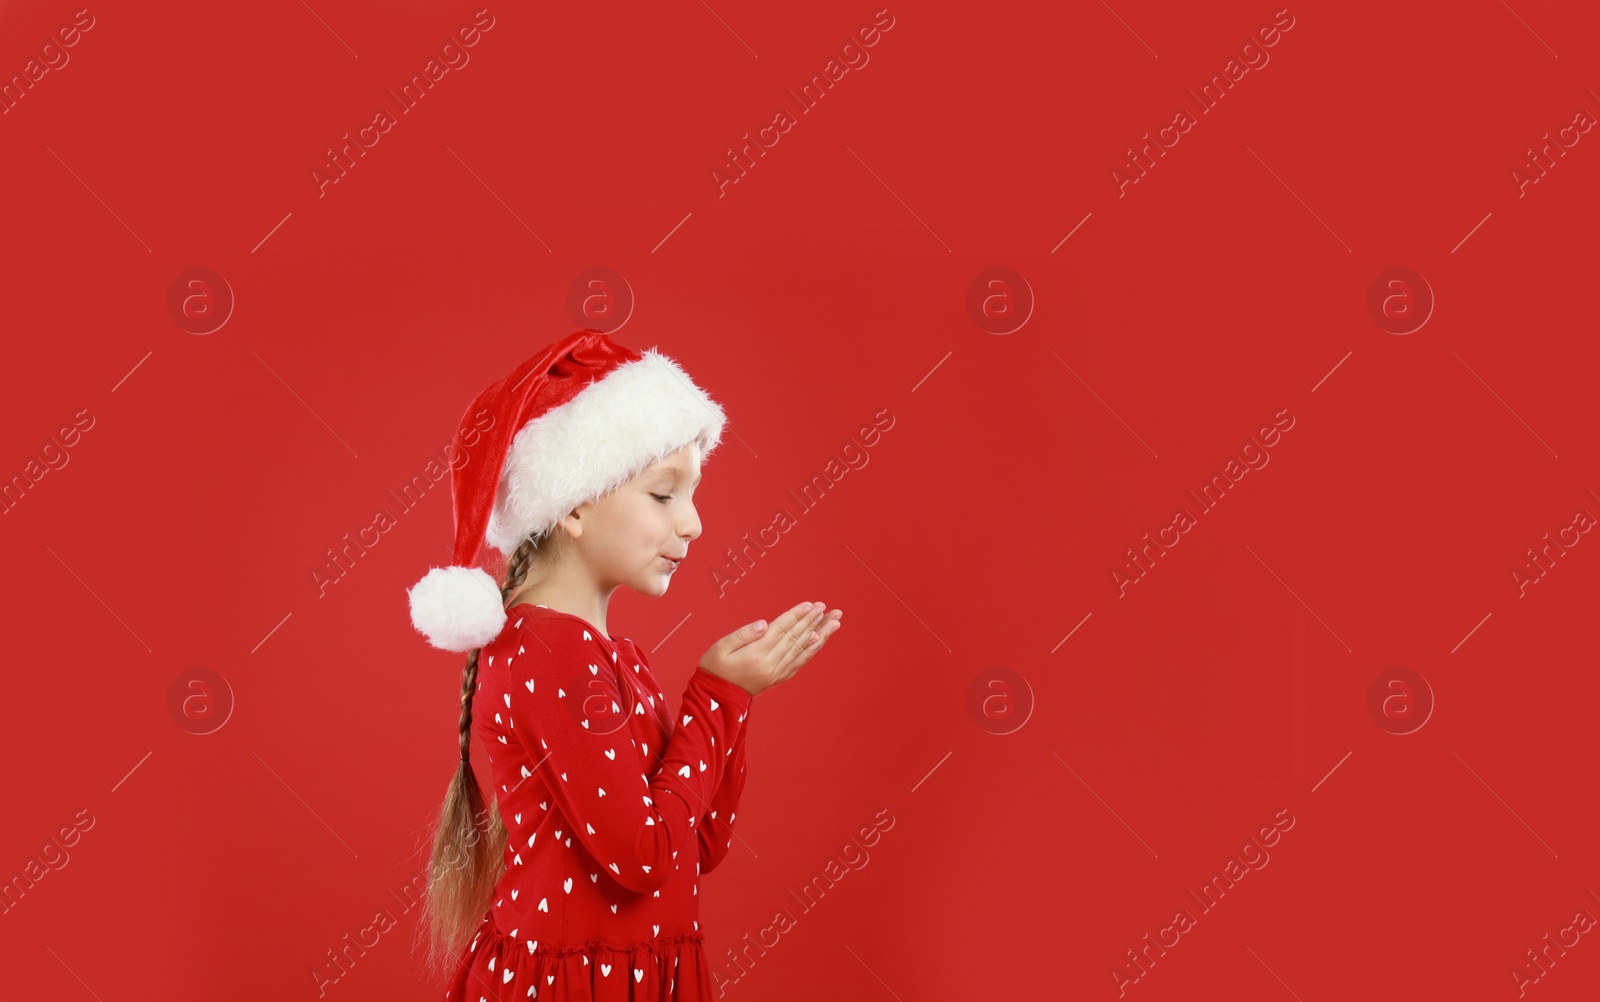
x,y
571,718
715,825
715,829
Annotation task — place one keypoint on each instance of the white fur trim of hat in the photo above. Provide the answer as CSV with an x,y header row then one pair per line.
x,y
589,415
601,439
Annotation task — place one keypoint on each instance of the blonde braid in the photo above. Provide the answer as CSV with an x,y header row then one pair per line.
x,y
465,866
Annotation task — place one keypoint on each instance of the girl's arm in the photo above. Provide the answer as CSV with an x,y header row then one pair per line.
x,y
715,829
565,709
715,826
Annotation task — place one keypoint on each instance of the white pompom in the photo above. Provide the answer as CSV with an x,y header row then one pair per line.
x,y
457,608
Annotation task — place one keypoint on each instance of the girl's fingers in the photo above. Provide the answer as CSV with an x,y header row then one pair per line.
x,y
775,633
796,618
825,628
820,634
794,644
817,638
779,628
813,631
802,642
808,650
796,636
787,620
795,640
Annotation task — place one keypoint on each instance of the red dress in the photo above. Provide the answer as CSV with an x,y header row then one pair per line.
x,y
612,809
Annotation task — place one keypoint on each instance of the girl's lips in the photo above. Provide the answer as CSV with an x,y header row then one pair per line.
x,y
672,565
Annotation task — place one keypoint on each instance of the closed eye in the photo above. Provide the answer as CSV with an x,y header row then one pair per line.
x,y
663,498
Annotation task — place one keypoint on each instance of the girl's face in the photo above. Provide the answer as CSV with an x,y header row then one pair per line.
x,y
629,534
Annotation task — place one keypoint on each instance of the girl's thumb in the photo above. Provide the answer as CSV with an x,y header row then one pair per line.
x,y
758,627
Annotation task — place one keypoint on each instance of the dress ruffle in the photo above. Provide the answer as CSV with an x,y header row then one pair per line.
x,y
497,966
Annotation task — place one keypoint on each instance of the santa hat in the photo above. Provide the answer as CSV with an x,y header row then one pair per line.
x,y
566,427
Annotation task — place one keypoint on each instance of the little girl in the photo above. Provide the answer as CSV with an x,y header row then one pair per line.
x,y
580,466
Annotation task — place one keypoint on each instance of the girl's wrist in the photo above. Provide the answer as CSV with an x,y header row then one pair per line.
x,y
725,689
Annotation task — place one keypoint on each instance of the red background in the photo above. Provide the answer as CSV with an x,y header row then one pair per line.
x,y
828,285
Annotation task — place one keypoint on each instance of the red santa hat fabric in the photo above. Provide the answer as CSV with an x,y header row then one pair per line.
x,y
572,423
